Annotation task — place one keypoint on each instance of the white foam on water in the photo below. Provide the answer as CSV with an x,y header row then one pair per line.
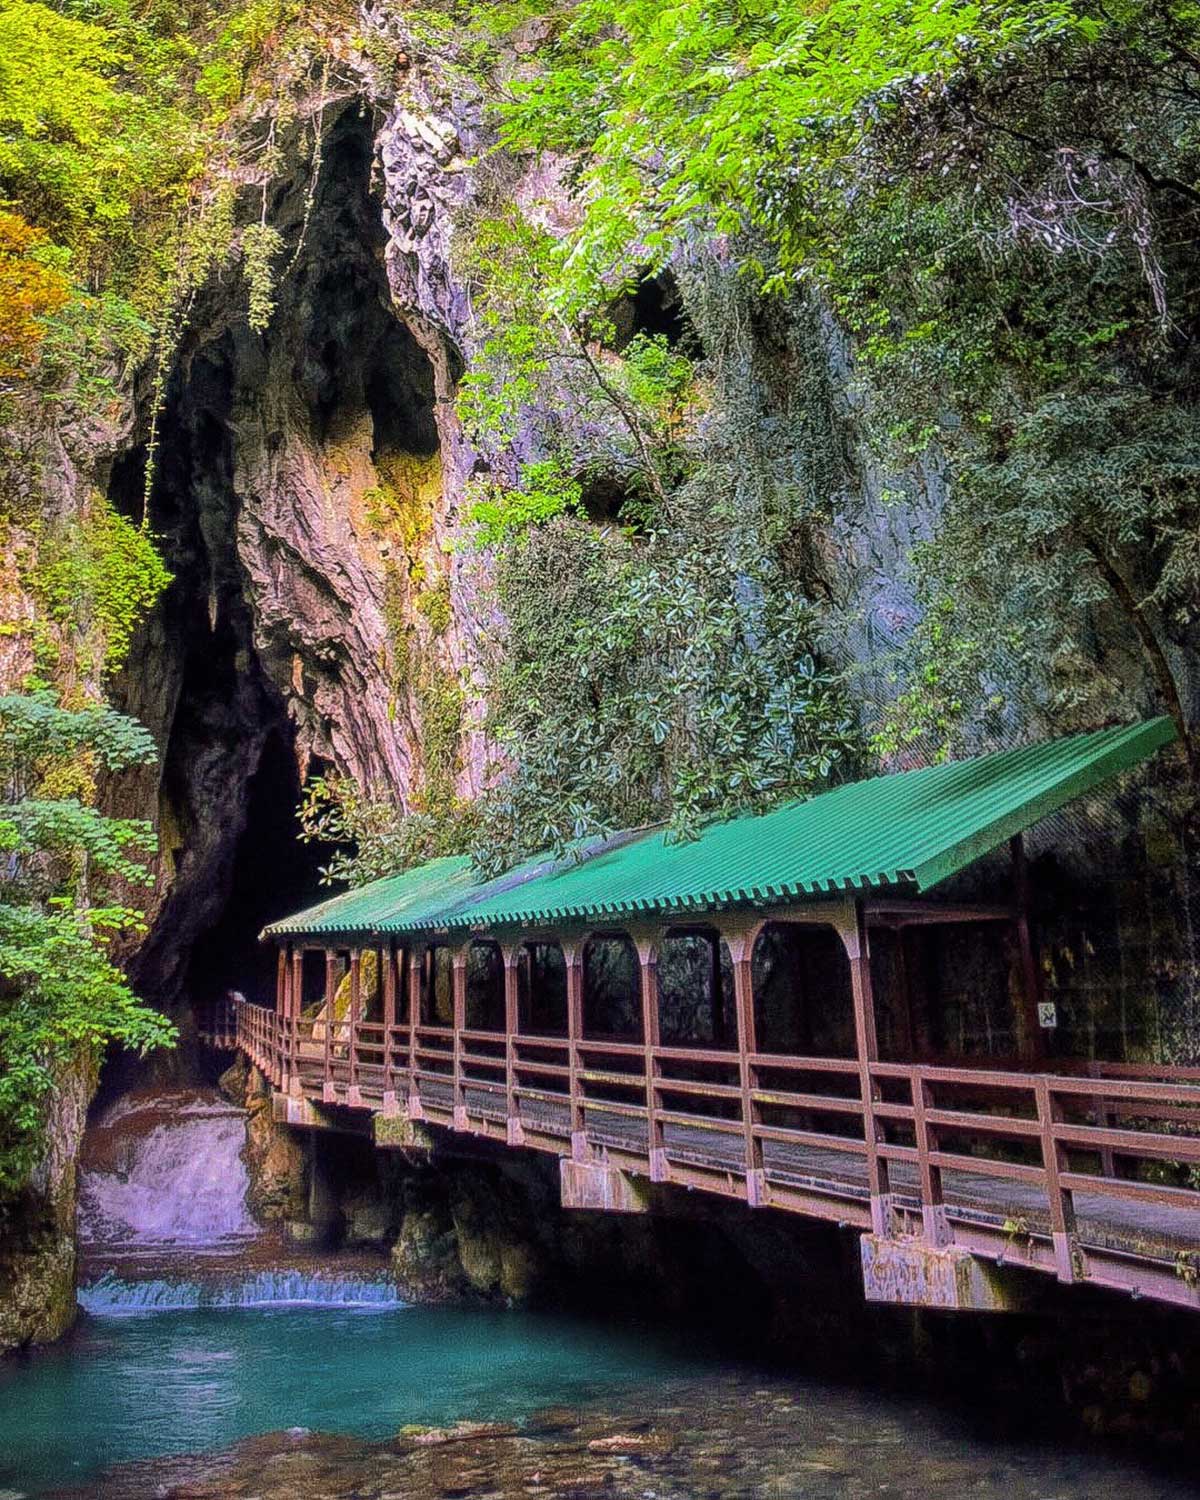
x,y
111,1296
183,1182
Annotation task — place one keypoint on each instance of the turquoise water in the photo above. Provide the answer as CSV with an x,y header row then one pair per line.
x,y
130,1387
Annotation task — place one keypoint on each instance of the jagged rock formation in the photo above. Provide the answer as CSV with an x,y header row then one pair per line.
x,y
37,1232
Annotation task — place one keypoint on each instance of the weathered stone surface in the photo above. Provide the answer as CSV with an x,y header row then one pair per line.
x,y
425,1256
496,1249
368,1221
913,1274
37,1230
596,1186
274,1156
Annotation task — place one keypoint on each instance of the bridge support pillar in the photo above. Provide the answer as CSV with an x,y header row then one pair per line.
x,y
397,1132
594,1185
295,1110
913,1273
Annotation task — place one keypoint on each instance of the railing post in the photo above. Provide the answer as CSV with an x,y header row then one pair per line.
x,y
387,979
853,932
933,1209
328,1094
1034,1038
1104,1118
1059,1201
280,1073
647,952
512,1105
741,952
460,1021
353,1092
573,958
296,986
416,962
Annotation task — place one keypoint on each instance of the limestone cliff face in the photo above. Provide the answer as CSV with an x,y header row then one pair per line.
x,y
307,490
37,1231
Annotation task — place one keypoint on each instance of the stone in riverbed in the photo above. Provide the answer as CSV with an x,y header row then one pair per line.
x,y
432,1437
552,1419
633,1444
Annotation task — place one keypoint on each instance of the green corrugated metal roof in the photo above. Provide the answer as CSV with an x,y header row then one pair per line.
x,y
425,890
909,831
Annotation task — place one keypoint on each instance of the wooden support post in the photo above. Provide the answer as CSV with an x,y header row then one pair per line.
x,y
1059,1201
1033,1038
719,998
328,1093
741,951
280,1071
387,964
417,957
936,1225
512,1022
853,932
573,958
296,985
460,1021
647,952
353,1092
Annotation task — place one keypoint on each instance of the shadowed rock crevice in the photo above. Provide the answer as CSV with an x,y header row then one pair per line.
x,y
278,493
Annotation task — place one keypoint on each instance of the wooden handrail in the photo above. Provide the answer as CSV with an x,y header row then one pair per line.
x,y
1070,1128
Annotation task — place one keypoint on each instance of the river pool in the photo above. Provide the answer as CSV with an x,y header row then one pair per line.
x,y
288,1403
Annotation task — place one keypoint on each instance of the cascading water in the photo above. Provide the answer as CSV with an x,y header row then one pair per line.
x,y
167,1170
111,1295
164,1224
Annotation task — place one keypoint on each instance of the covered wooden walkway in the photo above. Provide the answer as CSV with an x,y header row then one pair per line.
x,y
716,1024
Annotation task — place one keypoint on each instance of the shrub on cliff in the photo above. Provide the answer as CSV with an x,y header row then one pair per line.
x,y
64,870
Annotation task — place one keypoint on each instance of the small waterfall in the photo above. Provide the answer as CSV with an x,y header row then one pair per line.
x,y
113,1296
166,1169
164,1226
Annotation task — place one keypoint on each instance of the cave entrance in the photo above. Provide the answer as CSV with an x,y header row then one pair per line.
x,y
251,665
271,874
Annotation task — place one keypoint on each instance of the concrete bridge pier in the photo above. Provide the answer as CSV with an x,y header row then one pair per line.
x,y
908,1271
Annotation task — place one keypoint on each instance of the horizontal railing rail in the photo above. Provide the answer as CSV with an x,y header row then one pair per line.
x,y
1036,1160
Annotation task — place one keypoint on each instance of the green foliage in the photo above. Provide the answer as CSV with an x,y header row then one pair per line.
x,y
498,512
262,245
246,30
372,836
433,602
658,679
998,203
65,868
115,142
99,574
60,997
548,361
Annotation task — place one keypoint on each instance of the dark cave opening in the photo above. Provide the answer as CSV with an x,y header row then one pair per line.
x,y
272,873
652,307
606,499
225,687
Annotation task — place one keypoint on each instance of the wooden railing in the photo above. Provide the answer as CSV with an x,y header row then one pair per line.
x,y
217,1024
1090,1173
